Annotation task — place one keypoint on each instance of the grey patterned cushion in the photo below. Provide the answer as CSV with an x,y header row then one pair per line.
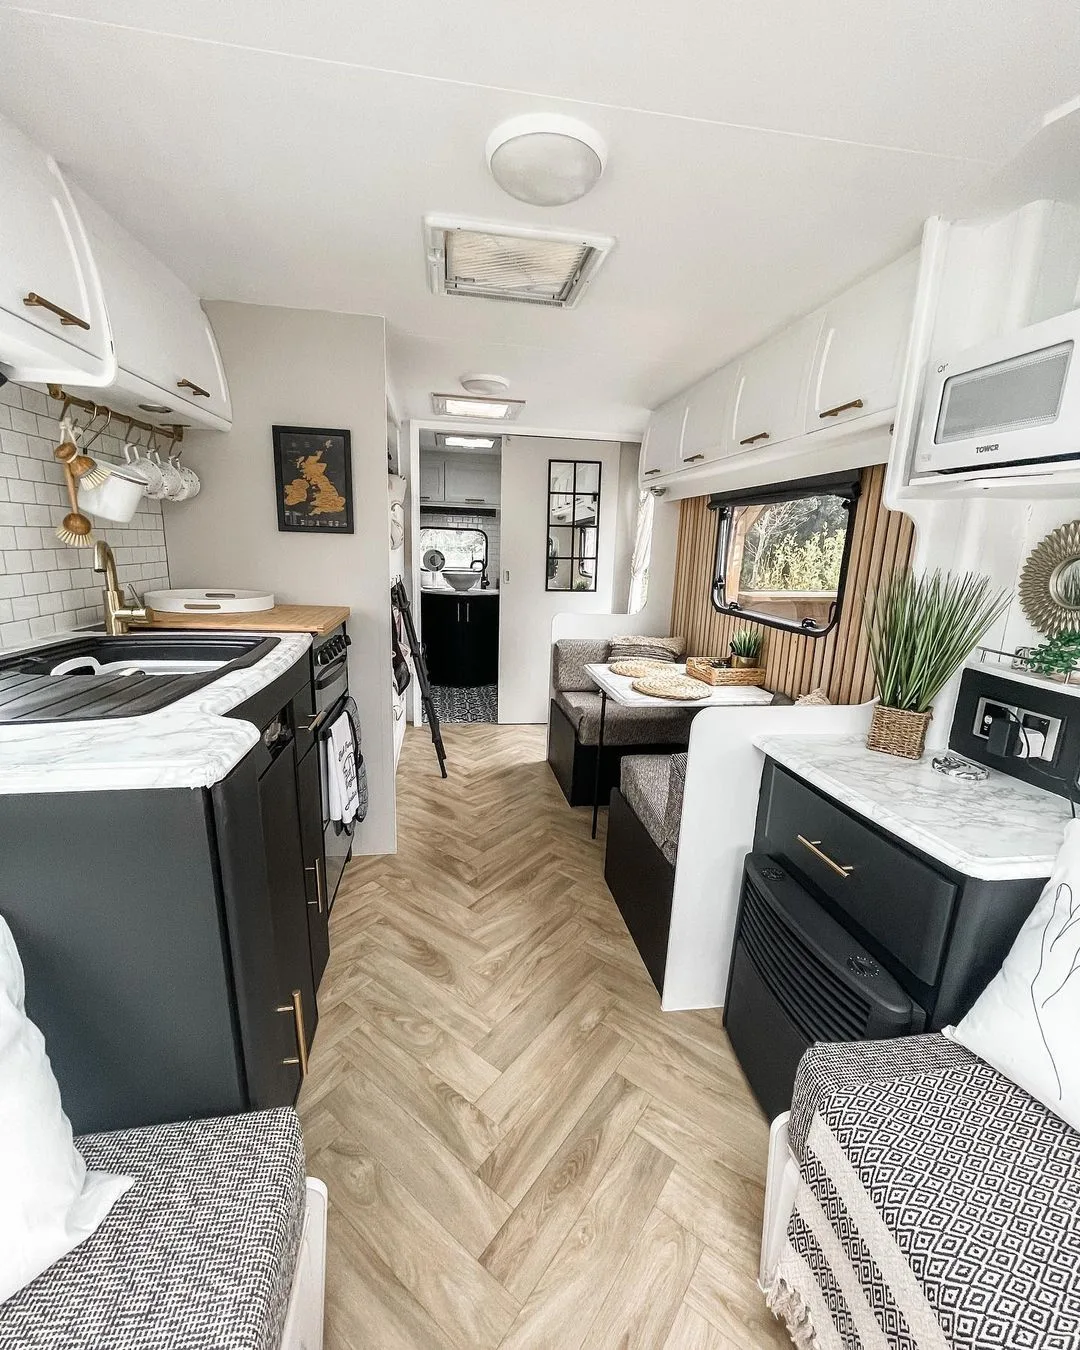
x,y
624,726
645,647
676,790
198,1255
643,781
570,656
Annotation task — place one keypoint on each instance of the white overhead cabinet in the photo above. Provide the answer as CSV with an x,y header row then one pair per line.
x,y
53,321
861,347
707,429
770,388
432,478
661,451
169,368
459,480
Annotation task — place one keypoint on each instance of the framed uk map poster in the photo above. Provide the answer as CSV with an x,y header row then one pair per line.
x,y
313,470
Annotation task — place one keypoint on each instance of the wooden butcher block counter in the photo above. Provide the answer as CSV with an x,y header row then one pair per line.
x,y
314,619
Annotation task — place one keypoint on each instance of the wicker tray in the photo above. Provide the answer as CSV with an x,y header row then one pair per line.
x,y
679,688
638,666
702,668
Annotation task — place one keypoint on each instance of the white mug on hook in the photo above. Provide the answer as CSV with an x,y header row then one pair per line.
x,y
146,469
172,485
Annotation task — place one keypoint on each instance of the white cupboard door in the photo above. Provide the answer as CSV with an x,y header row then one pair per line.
x,y
662,447
861,347
707,431
53,323
431,479
472,482
770,389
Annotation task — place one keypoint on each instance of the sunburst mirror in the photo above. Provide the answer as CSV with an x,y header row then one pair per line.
x,y
1050,581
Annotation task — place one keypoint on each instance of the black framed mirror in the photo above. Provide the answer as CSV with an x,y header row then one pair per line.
x,y
573,524
782,552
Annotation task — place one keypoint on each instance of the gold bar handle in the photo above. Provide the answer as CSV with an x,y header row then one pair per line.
x,y
318,885
195,389
296,1007
65,316
840,869
648,472
842,407
761,436
692,459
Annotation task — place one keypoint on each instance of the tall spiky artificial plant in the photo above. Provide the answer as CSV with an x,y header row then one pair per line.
x,y
922,628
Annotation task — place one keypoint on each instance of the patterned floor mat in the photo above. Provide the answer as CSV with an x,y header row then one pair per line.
x,y
479,703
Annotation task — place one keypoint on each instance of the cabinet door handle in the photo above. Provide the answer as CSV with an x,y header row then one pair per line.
x,y
318,901
690,459
425,496
761,436
842,407
648,472
195,389
67,319
841,869
478,501
296,1007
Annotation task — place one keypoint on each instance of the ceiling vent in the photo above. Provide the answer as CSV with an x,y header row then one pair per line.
x,y
497,262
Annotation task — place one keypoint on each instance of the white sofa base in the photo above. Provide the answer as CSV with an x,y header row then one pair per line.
x,y
304,1319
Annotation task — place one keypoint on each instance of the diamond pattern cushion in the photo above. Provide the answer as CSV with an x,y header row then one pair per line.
x,y
624,726
198,1255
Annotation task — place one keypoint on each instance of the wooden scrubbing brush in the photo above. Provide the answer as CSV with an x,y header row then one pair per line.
x,y
89,472
74,529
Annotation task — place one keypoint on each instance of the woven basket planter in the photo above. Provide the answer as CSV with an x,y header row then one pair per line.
x,y
894,731
702,668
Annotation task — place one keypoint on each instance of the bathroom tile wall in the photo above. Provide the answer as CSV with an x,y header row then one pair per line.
x,y
463,520
45,587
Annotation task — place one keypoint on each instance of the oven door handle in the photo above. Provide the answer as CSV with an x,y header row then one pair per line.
x,y
327,674
321,725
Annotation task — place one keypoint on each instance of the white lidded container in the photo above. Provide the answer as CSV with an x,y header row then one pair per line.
x,y
221,601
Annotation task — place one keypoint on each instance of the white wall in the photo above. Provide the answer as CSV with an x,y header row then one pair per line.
x,y
302,368
526,607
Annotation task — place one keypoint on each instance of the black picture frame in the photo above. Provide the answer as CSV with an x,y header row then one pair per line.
x,y
847,486
574,538
313,511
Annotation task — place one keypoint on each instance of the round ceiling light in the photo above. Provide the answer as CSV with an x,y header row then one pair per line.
x,y
485,384
546,160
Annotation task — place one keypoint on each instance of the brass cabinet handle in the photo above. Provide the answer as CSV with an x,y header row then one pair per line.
x,y
195,389
690,459
650,471
761,436
842,407
65,316
296,1007
840,869
318,885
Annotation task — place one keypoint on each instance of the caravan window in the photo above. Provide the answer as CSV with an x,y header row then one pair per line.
x,y
782,552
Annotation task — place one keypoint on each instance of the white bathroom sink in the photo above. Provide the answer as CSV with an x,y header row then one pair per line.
x,y
462,579
220,601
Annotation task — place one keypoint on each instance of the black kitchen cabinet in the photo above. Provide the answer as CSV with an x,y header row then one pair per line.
x,y
314,860
461,637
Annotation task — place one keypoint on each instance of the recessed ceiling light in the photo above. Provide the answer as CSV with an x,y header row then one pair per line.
x,y
466,442
485,384
545,159
463,405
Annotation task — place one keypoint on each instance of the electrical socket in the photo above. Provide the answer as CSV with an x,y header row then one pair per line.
x,y
1037,735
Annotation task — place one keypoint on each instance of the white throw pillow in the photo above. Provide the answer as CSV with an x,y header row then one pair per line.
x,y
1026,1022
49,1202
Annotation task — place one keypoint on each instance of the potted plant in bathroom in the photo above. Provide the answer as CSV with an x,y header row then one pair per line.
x,y
921,629
745,649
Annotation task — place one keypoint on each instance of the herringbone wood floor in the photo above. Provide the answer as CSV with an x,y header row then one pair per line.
x,y
521,1150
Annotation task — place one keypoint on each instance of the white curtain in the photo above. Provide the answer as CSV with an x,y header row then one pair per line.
x,y
639,562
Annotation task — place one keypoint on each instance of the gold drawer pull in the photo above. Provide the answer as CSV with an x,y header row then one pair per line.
x,y
318,885
296,1007
842,407
651,471
812,844
690,459
65,316
761,436
195,389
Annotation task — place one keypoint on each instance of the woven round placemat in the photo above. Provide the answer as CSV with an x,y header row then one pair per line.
x,y
680,688
639,666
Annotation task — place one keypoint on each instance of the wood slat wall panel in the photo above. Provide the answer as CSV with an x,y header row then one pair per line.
x,y
839,662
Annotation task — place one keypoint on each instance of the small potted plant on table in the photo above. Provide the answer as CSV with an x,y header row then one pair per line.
x,y
921,629
745,649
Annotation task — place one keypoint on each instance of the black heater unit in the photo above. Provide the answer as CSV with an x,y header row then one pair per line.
x,y
798,977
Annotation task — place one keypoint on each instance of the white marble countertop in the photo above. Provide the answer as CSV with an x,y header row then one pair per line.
x,y
188,744
997,830
621,689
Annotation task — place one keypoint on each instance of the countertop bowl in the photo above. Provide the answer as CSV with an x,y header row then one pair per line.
x,y
460,579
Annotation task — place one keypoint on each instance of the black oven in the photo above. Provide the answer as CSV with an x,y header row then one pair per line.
x,y
330,667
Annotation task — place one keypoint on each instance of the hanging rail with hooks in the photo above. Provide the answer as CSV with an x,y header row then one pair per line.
x,y
173,434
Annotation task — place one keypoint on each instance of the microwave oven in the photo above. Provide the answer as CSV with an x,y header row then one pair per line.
x,y
1009,402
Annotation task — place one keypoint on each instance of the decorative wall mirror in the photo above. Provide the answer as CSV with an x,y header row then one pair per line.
x,y
573,524
1050,581
782,552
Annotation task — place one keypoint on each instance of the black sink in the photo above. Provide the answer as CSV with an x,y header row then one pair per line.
x,y
97,676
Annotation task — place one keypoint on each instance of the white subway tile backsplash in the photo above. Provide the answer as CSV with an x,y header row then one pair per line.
x,y
45,587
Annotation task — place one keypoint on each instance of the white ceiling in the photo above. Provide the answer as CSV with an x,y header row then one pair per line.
x,y
761,156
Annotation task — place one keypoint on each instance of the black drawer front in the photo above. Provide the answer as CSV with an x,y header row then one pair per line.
x,y
899,901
